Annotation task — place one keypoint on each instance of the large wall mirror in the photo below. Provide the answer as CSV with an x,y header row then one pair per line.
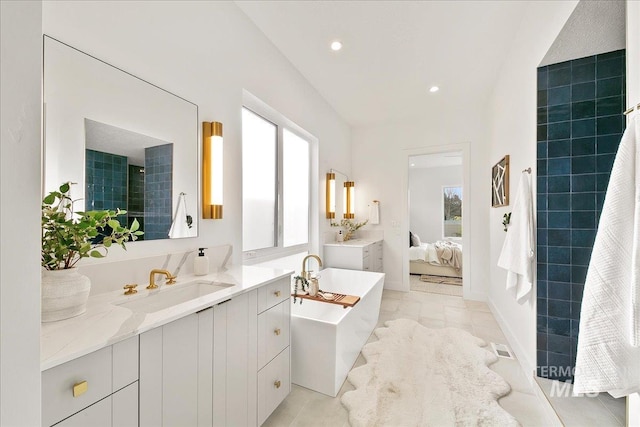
x,y
126,143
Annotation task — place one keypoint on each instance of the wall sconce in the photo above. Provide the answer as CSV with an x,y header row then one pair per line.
x,y
331,195
212,170
349,199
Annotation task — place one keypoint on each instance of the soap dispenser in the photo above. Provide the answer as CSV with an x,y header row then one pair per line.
x,y
201,263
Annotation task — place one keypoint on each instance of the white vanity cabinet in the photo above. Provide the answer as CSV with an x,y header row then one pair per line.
x,y
169,364
195,371
227,365
354,255
235,361
98,389
274,354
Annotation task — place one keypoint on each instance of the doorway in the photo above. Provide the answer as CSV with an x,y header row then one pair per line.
x,y
435,258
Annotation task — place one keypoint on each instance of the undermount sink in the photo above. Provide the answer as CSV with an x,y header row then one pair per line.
x,y
167,297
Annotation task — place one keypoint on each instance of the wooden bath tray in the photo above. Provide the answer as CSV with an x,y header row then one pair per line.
x,y
340,299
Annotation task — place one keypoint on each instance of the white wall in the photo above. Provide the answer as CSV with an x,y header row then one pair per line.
x,y
206,52
513,131
380,169
426,199
20,74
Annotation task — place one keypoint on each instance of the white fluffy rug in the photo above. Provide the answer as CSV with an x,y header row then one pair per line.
x,y
416,376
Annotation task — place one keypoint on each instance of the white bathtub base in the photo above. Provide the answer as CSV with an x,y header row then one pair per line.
x,y
323,352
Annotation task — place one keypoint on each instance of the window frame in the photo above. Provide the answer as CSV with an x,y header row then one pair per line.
x,y
262,110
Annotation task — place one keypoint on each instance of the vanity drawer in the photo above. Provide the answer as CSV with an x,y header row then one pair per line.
x,y
366,250
273,293
274,384
273,332
58,401
105,371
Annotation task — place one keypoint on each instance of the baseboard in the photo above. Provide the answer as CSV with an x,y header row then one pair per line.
x,y
394,286
474,296
528,366
552,417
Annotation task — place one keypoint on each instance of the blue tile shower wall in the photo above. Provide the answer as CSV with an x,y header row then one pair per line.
x,y
106,181
158,170
580,123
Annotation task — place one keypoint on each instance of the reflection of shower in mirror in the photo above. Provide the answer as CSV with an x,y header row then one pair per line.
x,y
129,171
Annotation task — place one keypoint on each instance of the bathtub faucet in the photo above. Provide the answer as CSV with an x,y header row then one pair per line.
x,y
307,274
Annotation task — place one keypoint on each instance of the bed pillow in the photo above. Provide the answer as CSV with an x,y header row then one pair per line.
x,y
410,239
415,240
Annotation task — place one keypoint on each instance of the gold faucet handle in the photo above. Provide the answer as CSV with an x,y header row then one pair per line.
x,y
171,280
130,289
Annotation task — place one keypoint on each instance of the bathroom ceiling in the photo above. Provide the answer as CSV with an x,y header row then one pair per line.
x,y
394,51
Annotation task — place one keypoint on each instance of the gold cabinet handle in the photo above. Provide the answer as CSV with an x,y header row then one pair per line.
x,y
80,388
130,289
277,331
277,384
277,294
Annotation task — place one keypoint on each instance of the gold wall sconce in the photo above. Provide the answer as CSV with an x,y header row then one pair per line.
x,y
331,195
349,200
212,170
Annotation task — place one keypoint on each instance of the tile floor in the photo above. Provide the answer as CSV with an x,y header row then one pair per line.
x,y
579,411
304,407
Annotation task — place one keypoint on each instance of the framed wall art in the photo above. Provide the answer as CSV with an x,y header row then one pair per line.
x,y
500,183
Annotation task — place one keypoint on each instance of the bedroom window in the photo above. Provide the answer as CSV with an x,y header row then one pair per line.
x,y
276,158
452,218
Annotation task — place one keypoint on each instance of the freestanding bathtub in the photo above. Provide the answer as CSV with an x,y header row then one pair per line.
x,y
327,338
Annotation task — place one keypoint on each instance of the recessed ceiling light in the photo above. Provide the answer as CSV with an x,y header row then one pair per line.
x,y
336,45
434,89
413,164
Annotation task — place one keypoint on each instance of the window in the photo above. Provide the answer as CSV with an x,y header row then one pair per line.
x,y
275,183
452,224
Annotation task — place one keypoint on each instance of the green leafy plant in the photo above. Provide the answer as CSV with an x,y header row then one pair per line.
x,y
349,226
300,284
69,236
506,219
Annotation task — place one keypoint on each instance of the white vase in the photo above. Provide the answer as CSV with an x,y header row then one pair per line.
x,y
313,287
64,294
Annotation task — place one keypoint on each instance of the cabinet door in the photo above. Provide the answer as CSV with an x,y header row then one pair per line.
x,y
169,377
241,360
125,407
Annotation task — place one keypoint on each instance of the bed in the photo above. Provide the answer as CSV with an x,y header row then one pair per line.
x,y
442,258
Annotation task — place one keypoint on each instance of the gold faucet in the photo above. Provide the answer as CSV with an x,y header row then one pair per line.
x,y
307,274
152,283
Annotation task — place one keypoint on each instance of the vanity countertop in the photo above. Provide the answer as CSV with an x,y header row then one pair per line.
x,y
356,243
106,323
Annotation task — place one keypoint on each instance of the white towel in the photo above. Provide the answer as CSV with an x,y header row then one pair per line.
x,y
608,357
179,226
374,213
519,246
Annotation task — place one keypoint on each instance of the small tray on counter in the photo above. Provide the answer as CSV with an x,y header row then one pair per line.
x,y
339,299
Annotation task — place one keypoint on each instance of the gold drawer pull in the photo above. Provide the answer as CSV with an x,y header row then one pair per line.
x,y
277,384
80,388
277,331
277,294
